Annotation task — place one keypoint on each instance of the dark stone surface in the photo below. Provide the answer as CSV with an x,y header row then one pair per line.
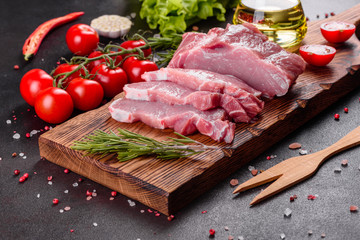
x,y
25,216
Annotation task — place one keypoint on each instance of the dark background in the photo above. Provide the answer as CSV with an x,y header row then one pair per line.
x,y
25,216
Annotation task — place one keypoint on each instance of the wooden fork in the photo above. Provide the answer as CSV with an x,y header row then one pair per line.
x,y
296,169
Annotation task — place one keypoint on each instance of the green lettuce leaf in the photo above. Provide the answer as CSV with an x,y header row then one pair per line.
x,y
174,16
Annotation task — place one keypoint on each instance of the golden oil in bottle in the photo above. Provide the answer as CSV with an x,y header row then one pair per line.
x,y
282,21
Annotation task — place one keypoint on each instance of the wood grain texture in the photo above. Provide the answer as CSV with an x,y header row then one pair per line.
x,y
168,186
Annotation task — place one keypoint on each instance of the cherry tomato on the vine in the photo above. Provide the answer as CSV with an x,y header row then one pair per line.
x,y
131,44
134,68
112,80
337,32
90,66
86,94
54,105
82,39
64,68
32,83
318,55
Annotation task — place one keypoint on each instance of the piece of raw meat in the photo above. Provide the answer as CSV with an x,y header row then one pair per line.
x,y
172,93
202,80
183,119
175,94
244,52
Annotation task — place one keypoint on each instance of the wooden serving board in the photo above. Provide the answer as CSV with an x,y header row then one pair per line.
x,y
169,185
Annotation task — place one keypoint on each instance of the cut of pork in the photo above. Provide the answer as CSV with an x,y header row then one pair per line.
x,y
173,94
184,119
244,52
202,80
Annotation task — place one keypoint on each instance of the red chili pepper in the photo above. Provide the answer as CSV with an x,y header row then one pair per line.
x,y
33,42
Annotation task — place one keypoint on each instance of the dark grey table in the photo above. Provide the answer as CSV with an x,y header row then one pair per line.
x,y
27,212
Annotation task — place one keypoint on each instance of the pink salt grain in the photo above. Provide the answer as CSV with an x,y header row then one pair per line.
x,y
354,208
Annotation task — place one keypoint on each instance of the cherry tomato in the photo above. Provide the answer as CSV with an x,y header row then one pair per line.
x,y
318,55
82,39
112,80
134,68
95,63
86,94
337,32
32,83
64,68
54,105
130,44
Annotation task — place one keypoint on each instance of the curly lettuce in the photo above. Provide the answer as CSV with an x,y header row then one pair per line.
x,y
174,16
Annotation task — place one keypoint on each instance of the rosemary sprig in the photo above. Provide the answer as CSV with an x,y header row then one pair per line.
x,y
129,145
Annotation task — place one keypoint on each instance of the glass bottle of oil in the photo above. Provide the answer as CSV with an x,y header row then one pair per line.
x,y
283,21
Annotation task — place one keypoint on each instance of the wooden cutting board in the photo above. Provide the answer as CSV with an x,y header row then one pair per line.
x,y
169,185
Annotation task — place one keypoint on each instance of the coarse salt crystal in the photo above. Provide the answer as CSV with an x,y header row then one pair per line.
x,y
8,121
88,198
24,157
38,195
303,152
50,182
66,191
133,14
61,210
16,136
95,224
75,184
67,208
310,232
111,198
142,210
94,194
240,238
337,170
287,212
226,228
251,168
282,235
131,203
33,132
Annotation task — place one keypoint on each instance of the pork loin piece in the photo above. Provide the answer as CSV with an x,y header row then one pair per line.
x,y
173,94
244,52
202,80
184,119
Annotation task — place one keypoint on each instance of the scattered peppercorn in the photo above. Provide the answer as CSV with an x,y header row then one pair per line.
x,y
66,170
55,201
26,175
326,15
16,172
113,193
22,179
170,218
212,232
88,193
14,154
234,182
254,172
346,110
332,14
354,208
336,116
16,67
268,158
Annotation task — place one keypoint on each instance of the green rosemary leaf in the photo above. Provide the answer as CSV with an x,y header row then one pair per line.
x,y
129,145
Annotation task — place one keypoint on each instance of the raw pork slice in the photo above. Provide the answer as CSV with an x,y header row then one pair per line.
x,y
183,119
244,52
203,80
173,94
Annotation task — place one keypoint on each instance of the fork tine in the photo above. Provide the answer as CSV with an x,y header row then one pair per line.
x,y
264,177
280,184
